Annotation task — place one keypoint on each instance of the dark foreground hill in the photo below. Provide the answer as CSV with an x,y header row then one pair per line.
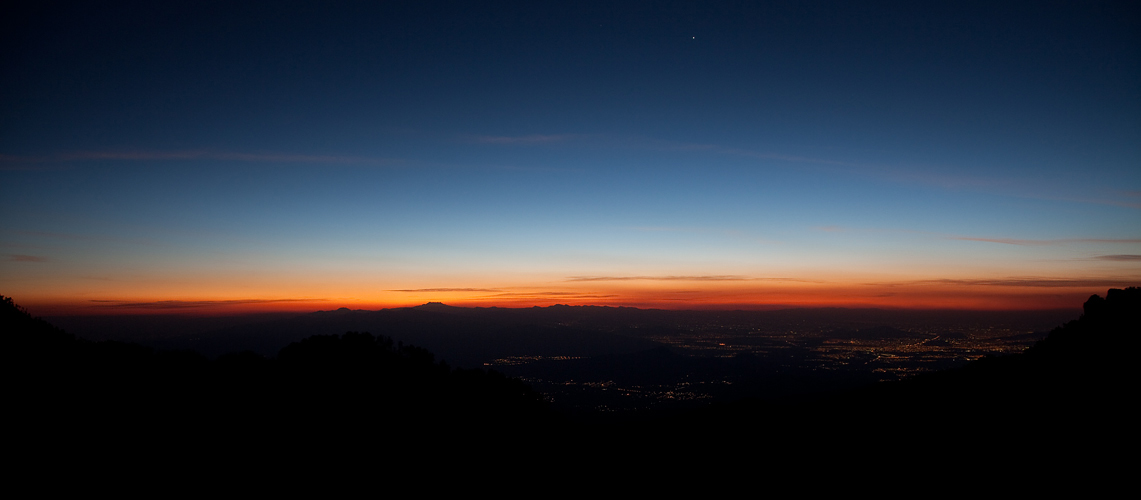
x,y
331,397
324,394
1070,395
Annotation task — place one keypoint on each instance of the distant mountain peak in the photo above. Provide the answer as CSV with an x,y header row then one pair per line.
x,y
435,306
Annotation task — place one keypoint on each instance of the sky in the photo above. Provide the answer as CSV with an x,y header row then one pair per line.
x,y
220,157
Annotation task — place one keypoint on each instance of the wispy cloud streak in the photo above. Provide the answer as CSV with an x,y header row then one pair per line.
x,y
1004,241
722,277
1025,282
660,278
913,174
430,290
1122,258
188,304
561,295
1012,241
26,258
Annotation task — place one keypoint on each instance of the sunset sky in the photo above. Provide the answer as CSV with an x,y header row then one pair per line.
x,y
206,157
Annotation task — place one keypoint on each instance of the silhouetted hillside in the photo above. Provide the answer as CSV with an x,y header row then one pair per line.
x,y
323,389
462,337
332,394
1088,362
471,336
580,357
1071,391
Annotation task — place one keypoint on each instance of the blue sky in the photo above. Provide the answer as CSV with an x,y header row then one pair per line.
x,y
674,153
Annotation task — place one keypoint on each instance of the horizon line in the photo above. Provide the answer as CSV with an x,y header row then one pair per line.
x,y
223,310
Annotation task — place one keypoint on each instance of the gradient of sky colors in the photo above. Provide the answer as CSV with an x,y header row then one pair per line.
x,y
213,157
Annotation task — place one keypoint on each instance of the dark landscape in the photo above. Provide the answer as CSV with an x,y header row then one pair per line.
x,y
467,248
590,359
607,375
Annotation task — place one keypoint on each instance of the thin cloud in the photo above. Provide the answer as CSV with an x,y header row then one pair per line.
x,y
1007,187
564,295
726,277
1097,201
1124,257
720,277
430,290
188,304
87,237
911,174
529,294
1032,282
525,139
1004,241
914,174
26,258
1012,241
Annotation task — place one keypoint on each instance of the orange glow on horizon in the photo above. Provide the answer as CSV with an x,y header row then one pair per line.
x,y
962,297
